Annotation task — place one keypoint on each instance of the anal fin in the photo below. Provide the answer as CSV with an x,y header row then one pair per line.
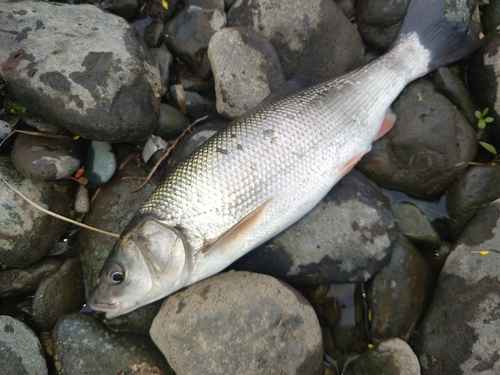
x,y
387,124
350,164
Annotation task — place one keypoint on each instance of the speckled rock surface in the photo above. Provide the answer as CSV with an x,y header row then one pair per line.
x,y
239,323
83,68
20,350
460,334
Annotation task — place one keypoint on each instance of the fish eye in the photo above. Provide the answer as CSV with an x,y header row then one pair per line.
x,y
114,273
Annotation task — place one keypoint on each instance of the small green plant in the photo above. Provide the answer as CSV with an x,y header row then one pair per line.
x,y
482,120
16,108
486,1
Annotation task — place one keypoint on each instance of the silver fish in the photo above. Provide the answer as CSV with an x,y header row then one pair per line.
x,y
268,168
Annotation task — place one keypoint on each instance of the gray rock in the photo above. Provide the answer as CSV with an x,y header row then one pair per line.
x,y
127,9
139,320
20,350
491,16
60,62
26,233
207,4
460,332
246,69
391,357
379,21
5,129
196,106
435,258
400,294
312,38
419,155
415,226
24,281
346,238
164,60
82,346
59,294
82,203
172,122
47,159
189,33
472,191
191,82
239,322
347,6
100,163
42,124
153,33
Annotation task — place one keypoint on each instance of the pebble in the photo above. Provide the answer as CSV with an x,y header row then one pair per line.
x,y
20,350
415,226
164,60
60,61
172,122
196,105
5,129
346,238
83,346
47,159
428,147
82,203
312,38
239,322
246,69
26,233
100,163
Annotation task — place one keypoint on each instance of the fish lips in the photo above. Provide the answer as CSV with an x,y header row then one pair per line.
x,y
112,310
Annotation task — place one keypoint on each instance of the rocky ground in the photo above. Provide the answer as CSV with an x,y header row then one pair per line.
x,y
396,271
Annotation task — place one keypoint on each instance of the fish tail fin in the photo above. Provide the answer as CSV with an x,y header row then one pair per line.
x,y
442,29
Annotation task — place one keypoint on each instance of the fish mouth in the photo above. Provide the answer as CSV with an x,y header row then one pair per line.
x,y
111,309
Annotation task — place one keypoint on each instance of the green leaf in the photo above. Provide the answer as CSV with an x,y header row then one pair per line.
x,y
489,147
489,119
485,111
477,114
486,1
481,124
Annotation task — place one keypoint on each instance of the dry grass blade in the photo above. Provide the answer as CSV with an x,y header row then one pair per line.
x,y
56,215
167,152
38,134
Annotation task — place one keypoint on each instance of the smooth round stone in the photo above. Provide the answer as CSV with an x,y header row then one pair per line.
x,y
347,6
412,157
346,238
26,234
196,105
59,294
100,163
239,323
153,33
82,203
82,346
20,349
391,357
5,129
164,59
461,329
414,225
46,159
400,293
24,281
42,124
246,69
172,122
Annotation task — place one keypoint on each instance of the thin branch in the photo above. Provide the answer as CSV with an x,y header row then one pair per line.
x,y
38,134
167,152
56,215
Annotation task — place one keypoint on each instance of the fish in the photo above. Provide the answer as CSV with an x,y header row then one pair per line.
x,y
269,167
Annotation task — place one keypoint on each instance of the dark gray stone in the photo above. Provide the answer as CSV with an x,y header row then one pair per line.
x,y
196,106
47,159
239,322
207,4
246,69
461,329
172,122
491,16
428,147
164,60
127,9
20,350
312,38
347,6
83,346
346,238
80,67
415,226
191,82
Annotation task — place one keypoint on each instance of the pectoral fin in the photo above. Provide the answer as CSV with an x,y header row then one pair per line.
x,y
239,232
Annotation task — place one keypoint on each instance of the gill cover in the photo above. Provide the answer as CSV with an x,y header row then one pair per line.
x,y
148,262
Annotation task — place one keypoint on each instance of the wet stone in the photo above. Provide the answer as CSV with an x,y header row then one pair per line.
x,y
190,82
312,38
172,122
47,159
5,129
83,346
415,226
346,238
43,125
197,106
59,61
244,322
100,163
461,329
153,34
412,156
164,60
82,203
246,69
20,349
189,33
26,233
391,357
24,281
400,293
59,294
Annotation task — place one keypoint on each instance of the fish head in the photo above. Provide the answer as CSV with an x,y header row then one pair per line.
x,y
149,261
